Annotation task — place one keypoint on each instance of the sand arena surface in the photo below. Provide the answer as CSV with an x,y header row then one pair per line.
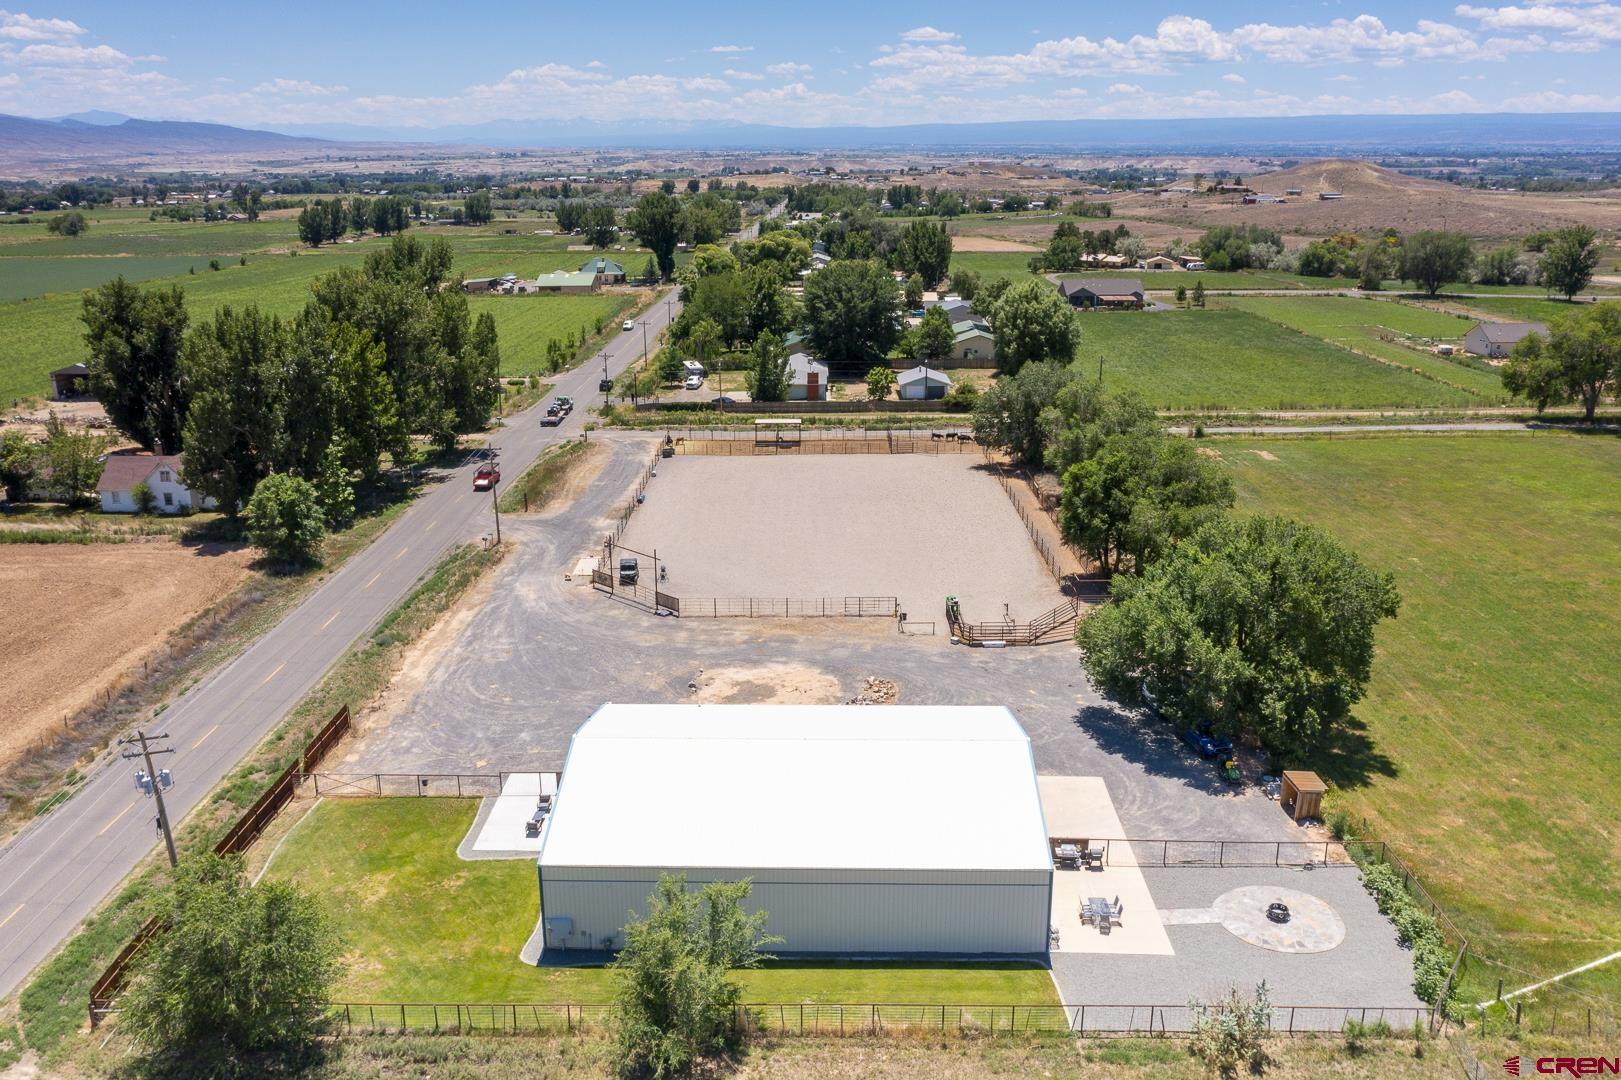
x,y
917,527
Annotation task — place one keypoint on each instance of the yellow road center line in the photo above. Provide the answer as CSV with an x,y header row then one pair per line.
x,y
403,550
103,829
329,619
273,674
13,915
373,580
205,735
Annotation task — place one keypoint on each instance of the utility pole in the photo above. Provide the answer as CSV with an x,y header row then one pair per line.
x,y
495,504
151,782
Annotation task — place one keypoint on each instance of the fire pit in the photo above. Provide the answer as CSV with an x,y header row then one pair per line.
x,y
1278,912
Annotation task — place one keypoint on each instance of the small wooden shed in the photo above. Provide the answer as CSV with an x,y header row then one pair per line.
x,y
1303,793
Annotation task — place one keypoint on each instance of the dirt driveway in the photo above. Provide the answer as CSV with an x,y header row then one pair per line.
x,y
77,615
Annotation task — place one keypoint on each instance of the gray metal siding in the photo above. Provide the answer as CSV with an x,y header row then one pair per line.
x,y
838,912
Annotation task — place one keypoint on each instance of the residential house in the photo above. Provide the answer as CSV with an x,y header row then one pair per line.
x,y
1158,262
160,472
807,377
561,281
922,383
1090,293
1497,339
973,344
70,382
606,271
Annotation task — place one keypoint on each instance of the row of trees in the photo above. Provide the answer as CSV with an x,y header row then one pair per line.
x,y
1071,247
1579,360
1257,625
326,221
380,352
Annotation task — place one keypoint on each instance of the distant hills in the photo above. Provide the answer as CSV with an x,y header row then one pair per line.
x,y
1496,132
99,138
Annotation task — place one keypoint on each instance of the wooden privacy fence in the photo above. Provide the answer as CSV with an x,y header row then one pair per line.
x,y
268,805
867,1018
237,839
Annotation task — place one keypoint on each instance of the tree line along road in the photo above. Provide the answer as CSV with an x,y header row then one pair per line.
x,y
60,869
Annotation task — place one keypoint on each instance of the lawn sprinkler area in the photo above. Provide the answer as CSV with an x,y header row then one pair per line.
x,y
915,527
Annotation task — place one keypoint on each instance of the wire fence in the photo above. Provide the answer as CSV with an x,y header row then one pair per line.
x,y
787,607
409,785
868,1018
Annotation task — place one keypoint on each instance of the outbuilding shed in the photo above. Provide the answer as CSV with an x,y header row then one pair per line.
x,y
866,831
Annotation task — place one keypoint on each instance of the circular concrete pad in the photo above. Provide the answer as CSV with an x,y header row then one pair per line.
x,y
1313,925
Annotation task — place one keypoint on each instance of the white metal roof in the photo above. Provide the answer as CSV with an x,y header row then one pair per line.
x,y
799,786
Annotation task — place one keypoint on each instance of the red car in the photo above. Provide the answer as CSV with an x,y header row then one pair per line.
x,y
486,478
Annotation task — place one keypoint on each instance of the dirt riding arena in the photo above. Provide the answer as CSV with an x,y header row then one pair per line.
x,y
79,615
917,527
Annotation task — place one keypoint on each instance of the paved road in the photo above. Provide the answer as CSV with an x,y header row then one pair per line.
x,y
59,870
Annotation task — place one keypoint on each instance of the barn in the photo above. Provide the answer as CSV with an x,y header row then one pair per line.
x,y
890,830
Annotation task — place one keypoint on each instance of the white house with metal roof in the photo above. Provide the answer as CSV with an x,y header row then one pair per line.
x,y
865,831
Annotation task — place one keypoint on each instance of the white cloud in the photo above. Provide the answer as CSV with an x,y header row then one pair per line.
x,y
1235,78
731,48
928,33
17,26
787,69
1124,88
744,76
596,64
1591,22
298,88
70,56
1342,78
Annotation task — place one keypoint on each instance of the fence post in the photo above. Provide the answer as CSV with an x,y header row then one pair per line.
x,y
379,778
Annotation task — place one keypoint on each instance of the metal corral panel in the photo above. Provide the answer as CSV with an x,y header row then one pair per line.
x,y
828,911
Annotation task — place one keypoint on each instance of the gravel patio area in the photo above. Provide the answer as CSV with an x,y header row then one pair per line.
x,y
916,527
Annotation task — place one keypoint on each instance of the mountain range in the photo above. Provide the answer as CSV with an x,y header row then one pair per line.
x,y
98,137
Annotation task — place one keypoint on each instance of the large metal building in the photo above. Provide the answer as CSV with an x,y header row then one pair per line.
x,y
866,830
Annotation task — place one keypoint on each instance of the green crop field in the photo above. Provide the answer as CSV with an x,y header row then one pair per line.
x,y
421,925
1225,359
1487,747
1388,330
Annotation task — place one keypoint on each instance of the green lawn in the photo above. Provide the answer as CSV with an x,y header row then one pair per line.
x,y
421,925
1228,359
1491,746
1391,331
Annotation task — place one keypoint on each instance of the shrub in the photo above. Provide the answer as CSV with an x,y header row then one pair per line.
x,y
285,519
1415,928
1228,1034
1338,823
145,501
241,967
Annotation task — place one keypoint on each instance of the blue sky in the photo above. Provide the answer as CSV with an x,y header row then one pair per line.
x,y
836,62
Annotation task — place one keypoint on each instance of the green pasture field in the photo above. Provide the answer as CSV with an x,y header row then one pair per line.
x,y
1521,308
1380,328
1226,359
1487,748
22,278
526,323
42,334
421,925
142,237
